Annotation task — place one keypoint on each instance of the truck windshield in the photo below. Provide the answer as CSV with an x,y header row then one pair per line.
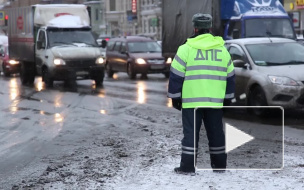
x,y
269,27
71,37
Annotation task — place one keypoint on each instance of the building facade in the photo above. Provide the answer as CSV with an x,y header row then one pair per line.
x,y
296,10
134,17
122,17
97,15
116,17
151,18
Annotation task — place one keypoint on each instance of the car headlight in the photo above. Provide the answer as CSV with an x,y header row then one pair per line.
x,y
59,61
13,62
140,61
169,60
283,81
99,60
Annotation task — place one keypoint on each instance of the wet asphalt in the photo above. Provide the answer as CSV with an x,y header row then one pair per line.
x,y
151,90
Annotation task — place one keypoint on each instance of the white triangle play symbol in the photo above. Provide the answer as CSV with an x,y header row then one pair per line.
x,y
235,137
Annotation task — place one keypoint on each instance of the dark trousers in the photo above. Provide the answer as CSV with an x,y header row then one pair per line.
x,y
213,123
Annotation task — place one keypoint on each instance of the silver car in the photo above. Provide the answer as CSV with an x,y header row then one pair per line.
x,y
270,71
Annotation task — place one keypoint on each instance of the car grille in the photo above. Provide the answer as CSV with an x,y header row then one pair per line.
x,y
80,63
300,100
156,61
282,97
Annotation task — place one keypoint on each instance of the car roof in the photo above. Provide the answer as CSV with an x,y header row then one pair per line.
x,y
104,36
259,40
132,38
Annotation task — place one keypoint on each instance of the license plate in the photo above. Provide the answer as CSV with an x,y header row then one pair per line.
x,y
157,66
82,73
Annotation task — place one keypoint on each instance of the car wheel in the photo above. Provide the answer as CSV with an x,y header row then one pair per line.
x,y
131,73
23,74
46,78
167,74
31,79
257,98
110,72
70,84
144,76
5,71
98,81
31,74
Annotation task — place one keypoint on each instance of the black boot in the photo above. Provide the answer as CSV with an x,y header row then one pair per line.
x,y
218,160
219,171
185,167
179,170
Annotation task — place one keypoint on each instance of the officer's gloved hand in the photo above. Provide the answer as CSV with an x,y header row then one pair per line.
x,y
227,102
177,103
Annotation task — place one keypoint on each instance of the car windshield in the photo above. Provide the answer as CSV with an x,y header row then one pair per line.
x,y
143,47
271,27
71,37
273,54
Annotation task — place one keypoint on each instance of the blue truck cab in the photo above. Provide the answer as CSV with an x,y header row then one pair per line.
x,y
258,18
232,19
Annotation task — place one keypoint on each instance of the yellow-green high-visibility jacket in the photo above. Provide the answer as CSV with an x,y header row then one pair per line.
x,y
200,71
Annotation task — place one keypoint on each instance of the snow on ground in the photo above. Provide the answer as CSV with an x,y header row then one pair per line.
x,y
160,175
134,146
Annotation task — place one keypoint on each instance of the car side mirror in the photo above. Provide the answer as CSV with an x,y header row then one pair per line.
x,y
103,43
239,63
40,45
124,52
235,34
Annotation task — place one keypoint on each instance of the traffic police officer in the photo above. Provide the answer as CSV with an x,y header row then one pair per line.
x,y
202,75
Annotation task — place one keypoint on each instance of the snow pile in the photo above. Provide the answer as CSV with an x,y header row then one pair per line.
x,y
3,39
68,21
61,15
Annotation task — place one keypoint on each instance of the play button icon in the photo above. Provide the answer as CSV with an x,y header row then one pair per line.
x,y
235,137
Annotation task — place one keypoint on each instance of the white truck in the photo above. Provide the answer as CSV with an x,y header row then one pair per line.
x,y
54,41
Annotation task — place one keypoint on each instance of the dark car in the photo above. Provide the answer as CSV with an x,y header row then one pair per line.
x,y
135,55
7,66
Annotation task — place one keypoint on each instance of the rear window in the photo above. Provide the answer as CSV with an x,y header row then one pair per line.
x,y
142,47
123,47
110,45
117,46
